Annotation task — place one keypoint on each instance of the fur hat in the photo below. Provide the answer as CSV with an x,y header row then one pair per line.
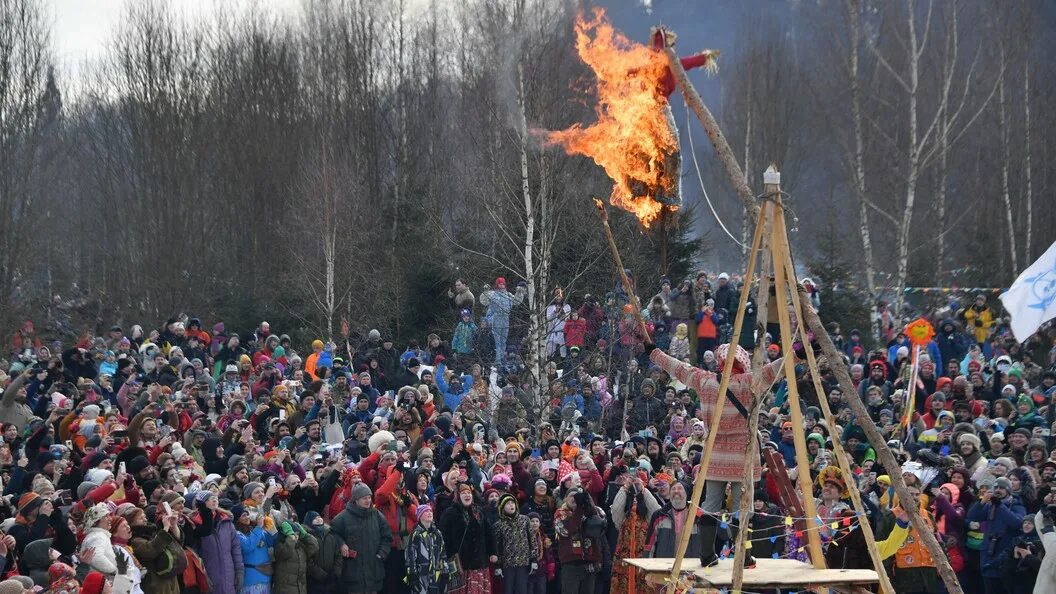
x,y
972,439
379,440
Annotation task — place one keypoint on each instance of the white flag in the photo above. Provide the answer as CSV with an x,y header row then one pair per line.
x,y
1031,300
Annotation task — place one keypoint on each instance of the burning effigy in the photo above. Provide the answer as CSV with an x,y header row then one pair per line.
x,y
634,138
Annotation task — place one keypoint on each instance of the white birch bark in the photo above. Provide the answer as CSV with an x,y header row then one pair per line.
x,y
1028,182
1002,123
854,12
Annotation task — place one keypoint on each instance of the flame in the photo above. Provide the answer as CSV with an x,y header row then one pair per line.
x,y
631,139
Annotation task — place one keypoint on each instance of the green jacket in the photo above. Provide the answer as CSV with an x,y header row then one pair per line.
x,y
366,532
291,563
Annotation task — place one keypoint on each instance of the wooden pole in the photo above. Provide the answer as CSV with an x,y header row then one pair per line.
x,y
716,418
718,139
884,455
806,486
631,294
841,456
758,360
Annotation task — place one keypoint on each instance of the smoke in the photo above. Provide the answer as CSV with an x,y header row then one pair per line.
x,y
648,5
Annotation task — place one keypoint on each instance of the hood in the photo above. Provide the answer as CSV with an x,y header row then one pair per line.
x,y
209,447
955,491
36,554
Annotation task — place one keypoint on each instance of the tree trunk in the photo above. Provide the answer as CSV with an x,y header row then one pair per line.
x,y
854,12
1028,183
1006,157
912,164
534,363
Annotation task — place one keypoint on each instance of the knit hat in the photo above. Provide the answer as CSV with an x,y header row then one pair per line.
x,y
15,586
421,509
501,479
29,502
1003,483
360,491
1005,461
95,514
247,491
309,518
117,522
507,498
425,453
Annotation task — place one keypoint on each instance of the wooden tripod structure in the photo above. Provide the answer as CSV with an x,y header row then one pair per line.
x,y
808,318
770,245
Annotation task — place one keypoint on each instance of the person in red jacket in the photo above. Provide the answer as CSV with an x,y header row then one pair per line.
x,y
398,505
575,330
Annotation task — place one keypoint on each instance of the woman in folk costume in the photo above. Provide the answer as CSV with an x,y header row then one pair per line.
x,y
831,505
727,458
631,509
730,444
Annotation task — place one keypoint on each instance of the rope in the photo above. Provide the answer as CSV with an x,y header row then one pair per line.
x,y
700,178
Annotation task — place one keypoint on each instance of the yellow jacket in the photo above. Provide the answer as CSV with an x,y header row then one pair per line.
x,y
978,322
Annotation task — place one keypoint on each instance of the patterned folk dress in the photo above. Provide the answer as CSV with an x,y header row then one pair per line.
x,y
727,458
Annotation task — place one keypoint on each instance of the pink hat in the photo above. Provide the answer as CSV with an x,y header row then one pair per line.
x,y
500,281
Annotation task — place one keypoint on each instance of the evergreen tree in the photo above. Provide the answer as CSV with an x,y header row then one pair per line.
x,y
842,300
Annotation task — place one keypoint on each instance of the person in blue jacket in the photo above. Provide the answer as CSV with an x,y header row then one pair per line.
x,y
500,303
999,514
455,390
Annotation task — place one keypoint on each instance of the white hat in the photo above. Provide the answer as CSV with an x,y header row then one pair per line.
x,y
177,451
98,475
723,276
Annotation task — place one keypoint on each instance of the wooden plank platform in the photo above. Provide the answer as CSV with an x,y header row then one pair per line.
x,y
769,573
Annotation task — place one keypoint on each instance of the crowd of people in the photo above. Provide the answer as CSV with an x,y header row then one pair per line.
x,y
193,459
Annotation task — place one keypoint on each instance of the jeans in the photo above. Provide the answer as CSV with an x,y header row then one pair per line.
x,y
499,333
715,495
994,586
537,583
576,580
515,580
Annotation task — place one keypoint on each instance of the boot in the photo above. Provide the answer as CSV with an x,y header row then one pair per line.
x,y
708,528
749,560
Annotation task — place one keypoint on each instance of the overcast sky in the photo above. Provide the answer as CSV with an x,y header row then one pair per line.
x,y
82,27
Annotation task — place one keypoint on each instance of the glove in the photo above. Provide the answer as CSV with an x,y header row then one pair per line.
x,y
498,572
535,566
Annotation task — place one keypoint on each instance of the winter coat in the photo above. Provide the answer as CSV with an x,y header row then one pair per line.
x,y
367,533
162,558
12,411
575,332
499,303
35,562
661,538
220,549
291,563
426,560
398,505
467,535
979,321
1000,522
256,552
573,546
514,542
325,564
104,560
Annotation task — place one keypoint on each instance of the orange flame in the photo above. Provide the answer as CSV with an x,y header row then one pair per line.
x,y
631,139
